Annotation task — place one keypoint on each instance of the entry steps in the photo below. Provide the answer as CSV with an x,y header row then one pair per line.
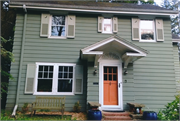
x,y
116,115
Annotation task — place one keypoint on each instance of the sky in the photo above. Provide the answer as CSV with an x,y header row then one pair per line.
x,y
158,2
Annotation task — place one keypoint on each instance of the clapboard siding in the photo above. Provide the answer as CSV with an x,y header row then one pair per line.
x,y
12,87
177,67
150,80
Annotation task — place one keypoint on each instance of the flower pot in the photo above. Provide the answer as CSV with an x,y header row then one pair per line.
x,y
149,115
94,115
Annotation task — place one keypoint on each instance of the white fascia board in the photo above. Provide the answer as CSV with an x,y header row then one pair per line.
x,y
95,11
93,53
135,54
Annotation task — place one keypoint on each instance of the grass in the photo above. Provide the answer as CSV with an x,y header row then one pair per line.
x,y
6,115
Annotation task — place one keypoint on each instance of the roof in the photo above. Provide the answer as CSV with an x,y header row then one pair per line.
x,y
175,38
92,5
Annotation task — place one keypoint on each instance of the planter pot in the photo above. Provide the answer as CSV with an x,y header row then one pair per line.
x,y
149,115
94,115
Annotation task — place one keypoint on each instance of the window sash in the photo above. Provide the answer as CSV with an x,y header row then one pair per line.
x,y
147,29
109,24
54,79
64,26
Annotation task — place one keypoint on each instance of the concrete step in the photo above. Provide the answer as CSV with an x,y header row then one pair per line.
x,y
117,118
115,113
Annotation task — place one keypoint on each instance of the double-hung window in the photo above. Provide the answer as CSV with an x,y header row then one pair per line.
x,y
54,79
107,25
147,30
58,26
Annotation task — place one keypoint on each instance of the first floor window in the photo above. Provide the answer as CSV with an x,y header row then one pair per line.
x,y
147,29
54,78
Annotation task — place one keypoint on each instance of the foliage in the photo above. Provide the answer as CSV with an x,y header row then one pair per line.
x,y
25,105
6,58
6,115
133,1
77,107
171,112
175,20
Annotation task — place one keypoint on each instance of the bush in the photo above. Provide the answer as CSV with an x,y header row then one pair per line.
x,y
171,112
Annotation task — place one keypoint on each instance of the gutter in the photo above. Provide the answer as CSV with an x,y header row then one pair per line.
x,y
145,12
21,61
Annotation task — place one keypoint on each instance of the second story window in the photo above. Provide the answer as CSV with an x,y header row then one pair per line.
x,y
58,27
107,25
147,30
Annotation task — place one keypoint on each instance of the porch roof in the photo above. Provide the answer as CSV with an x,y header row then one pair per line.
x,y
126,50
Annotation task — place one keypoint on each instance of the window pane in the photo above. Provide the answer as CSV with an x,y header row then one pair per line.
x,y
147,30
105,69
45,68
114,77
65,69
114,69
110,69
110,77
70,69
45,74
58,31
58,20
40,68
60,75
70,75
65,75
51,68
105,76
40,75
50,75
44,85
65,85
60,68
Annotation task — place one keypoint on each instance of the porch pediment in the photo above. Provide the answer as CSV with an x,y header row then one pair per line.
x,y
127,51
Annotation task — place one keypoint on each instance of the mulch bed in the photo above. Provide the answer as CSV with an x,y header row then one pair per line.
x,y
77,116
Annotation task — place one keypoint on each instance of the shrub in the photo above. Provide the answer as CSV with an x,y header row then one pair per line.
x,y
171,112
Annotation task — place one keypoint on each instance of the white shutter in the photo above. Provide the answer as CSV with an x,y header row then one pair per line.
x,y
79,79
100,22
30,75
44,25
71,19
159,30
115,24
135,28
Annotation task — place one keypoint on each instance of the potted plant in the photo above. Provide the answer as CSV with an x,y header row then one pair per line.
x,y
77,107
25,108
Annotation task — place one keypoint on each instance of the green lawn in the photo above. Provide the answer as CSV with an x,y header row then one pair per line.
x,y
19,116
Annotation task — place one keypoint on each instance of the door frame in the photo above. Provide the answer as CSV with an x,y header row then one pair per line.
x,y
118,64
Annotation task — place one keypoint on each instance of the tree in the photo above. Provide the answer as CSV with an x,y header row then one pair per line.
x,y
175,20
7,33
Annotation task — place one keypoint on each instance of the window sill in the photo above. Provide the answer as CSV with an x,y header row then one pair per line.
x,y
50,93
51,37
147,40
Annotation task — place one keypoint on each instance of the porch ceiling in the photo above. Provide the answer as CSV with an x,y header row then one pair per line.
x,y
128,51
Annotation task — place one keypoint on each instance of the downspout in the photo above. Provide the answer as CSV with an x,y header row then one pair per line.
x,y
20,62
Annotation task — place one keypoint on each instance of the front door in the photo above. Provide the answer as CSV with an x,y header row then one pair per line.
x,y
110,85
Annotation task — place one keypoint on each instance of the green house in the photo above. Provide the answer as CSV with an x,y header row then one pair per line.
x,y
110,53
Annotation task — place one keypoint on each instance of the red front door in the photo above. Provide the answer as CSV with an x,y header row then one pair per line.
x,y
110,85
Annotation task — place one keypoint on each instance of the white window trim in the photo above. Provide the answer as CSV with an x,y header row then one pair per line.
x,y
55,79
141,40
57,37
111,26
